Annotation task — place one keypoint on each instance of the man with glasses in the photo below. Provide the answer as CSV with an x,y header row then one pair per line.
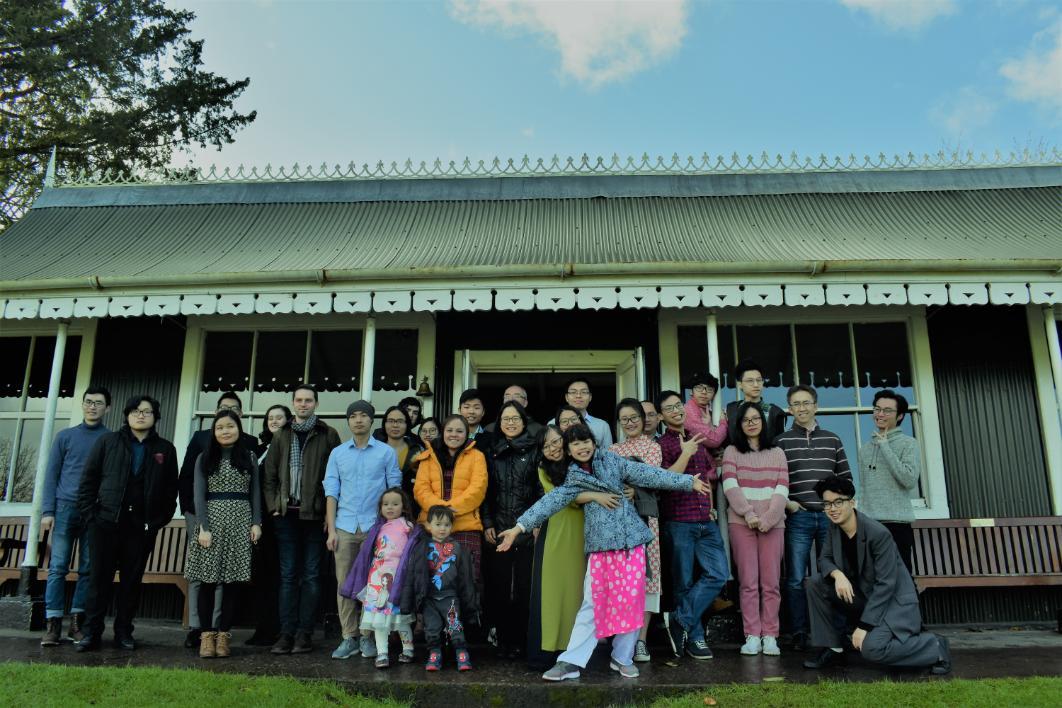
x,y
689,523
862,577
578,395
889,467
749,377
228,401
813,455
651,419
518,394
60,516
128,491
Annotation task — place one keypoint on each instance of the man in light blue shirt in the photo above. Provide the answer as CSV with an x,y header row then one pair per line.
x,y
578,395
357,475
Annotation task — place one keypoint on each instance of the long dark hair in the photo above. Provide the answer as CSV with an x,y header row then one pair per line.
x,y
741,440
265,436
446,461
520,411
556,471
240,458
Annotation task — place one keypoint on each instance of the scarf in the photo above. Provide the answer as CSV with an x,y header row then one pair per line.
x,y
295,458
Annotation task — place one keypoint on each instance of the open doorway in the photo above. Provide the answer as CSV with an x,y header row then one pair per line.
x,y
545,392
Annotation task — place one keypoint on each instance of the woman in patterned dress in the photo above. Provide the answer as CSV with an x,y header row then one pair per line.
x,y
227,486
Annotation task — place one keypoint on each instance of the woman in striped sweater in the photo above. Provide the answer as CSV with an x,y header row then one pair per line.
x,y
756,484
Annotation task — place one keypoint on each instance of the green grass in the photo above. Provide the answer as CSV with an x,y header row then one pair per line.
x,y
1016,692
66,686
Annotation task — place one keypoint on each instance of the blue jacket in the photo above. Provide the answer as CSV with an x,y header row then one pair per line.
x,y
607,529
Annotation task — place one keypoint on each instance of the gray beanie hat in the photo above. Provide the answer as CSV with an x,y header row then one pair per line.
x,y
363,406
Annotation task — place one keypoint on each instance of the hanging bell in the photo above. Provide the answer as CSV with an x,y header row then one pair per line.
x,y
424,390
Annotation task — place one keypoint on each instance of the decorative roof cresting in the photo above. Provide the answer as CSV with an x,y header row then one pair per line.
x,y
569,166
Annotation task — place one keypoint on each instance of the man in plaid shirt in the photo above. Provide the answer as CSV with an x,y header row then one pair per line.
x,y
689,522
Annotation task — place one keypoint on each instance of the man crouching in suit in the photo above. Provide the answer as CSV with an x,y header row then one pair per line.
x,y
862,576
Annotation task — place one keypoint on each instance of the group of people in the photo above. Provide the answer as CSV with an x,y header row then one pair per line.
x,y
544,538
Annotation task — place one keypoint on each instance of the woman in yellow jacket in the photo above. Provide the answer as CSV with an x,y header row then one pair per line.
x,y
451,472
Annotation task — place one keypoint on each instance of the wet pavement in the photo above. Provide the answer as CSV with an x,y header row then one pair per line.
x,y
976,654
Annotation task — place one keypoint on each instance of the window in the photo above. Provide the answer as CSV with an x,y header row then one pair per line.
x,y
27,365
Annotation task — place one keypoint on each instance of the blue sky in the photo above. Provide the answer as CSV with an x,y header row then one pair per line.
x,y
367,81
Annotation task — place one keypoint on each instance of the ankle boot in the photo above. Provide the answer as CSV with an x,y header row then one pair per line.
x,y
221,644
77,621
207,648
52,632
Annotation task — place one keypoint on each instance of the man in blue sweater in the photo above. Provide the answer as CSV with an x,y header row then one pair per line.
x,y
60,516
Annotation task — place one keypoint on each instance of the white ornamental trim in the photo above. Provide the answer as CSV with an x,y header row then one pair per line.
x,y
126,306
514,299
805,294
319,303
274,304
1046,293
352,302
432,300
199,305
91,306
846,294
637,298
927,294
886,294
680,296
57,307
1008,293
967,294
762,295
721,295
553,299
236,304
472,300
21,309
597,298
161,305
392,301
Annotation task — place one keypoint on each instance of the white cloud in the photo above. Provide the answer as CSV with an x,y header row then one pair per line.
x,y
1037,77
528,132
599,41
963,112
903,14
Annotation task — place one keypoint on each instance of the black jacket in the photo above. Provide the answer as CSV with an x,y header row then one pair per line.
x,y
513,485
459,578
773,425
106,476
197,446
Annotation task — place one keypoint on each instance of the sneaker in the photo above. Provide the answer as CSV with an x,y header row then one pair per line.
x,y
628,671
405,658
800,641
303,643
434,660
368,647
463,662
382,661
283,644
77,621
53,632
698,649
346,649
752,646
641,652
676,634
827,658
770,646
943,665
562,671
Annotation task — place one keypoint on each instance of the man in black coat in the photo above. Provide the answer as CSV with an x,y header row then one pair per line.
x,y
862,576
229,401
749,377
128,492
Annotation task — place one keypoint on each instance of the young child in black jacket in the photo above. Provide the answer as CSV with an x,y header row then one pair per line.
x,y
441,587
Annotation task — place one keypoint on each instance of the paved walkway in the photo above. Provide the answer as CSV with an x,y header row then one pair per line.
x,y
977,654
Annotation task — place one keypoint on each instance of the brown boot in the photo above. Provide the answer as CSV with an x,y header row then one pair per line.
x,y
207,649
52,632
221,647
77,622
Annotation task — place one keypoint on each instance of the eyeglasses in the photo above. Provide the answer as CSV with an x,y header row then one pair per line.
x,y
94,404
755,382
511,396
510,419
141,413
553,445
703,388
836,503
578,392
673,408
627,420
395,421
884,411
229,408
801,404
751,421
567,421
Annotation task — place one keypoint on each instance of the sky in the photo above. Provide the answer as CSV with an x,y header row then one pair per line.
x,y
344,81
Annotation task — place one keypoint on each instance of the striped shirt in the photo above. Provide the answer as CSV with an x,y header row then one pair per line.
x,y
813,455
756,482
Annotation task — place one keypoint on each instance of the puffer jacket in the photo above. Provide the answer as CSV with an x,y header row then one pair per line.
x,y
467,491
607,529
514,484
276,472
106,475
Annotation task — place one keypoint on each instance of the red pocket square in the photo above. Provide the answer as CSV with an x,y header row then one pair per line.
x,y
159,457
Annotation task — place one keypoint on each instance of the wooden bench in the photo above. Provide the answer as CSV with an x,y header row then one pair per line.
x,y
165,567
1016,552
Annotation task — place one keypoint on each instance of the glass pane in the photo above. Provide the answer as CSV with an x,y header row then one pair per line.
x,y
692,351
41,373
395,364
844,426
824,355
26,468
883,360
7,445
866,432
14,358
771,347
280,364
340,424
226,367
335,368
262,401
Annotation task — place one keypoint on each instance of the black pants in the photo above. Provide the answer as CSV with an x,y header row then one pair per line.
x,y
443,616
125,547
508,591
903,535
265,579
228,606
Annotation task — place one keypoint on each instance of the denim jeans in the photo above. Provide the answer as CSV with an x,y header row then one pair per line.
x,y
300,548
67,529
801,529
701,543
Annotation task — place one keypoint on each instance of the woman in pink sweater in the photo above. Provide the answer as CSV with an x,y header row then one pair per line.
x,y
756,484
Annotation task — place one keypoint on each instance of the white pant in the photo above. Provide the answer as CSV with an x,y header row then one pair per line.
x,y
584,639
